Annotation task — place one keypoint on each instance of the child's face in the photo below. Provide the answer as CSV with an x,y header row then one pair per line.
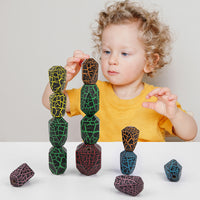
x,y
123,56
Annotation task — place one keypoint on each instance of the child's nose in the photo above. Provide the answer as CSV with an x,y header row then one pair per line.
x,y
113,60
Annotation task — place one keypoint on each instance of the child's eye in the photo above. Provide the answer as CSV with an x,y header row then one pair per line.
x,y
106,52
124,54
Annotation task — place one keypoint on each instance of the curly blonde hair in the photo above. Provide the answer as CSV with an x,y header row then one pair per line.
x,y
155,35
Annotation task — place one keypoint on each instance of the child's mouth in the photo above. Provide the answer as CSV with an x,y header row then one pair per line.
x,y
112,73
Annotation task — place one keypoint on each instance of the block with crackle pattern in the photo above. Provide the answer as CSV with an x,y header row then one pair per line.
x,y
21,175
127,162
57,160
173,170
130,136
90,71
88,158
90,129
58,130
57,78
57,104
89,99
131,185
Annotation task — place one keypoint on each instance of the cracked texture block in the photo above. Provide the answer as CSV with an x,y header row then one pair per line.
x,y
21,175
57,104
130,137
57,160
90,129
88,158
131,185
57,78
127,162
89,71
58,130
89,99
173,170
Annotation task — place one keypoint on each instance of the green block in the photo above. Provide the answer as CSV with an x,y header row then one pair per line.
x,y
58,129
57,78
57,104
90,129
57,160
89,99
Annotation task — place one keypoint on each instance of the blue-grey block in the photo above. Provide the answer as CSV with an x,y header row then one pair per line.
x,y
127,162
173,170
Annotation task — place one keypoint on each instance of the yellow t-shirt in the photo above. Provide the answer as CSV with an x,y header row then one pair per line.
x,y
115,114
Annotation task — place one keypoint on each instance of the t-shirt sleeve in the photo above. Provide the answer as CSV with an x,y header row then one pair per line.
x,y
74,99
166,125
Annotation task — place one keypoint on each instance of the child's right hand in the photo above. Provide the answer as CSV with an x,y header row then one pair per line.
x,y
73,65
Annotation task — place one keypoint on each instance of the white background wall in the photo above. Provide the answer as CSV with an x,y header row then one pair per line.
x,y
37,34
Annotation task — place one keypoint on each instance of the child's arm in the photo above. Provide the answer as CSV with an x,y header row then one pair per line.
x,y
184,125
73,66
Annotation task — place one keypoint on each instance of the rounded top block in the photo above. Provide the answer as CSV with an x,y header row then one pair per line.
x,y
57,78
130,136
90,71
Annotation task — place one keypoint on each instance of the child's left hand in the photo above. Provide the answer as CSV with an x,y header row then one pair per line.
x,y
165,104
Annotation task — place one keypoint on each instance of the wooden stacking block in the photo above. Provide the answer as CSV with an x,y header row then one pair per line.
x,y
173,170
57,104
130,137
57,78
88,158
131,185
127,162
90,129
89,71
89,99
57,160
21,175
58,130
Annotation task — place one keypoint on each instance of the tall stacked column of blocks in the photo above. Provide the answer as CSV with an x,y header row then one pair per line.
x,y
128,157
88,154
58,127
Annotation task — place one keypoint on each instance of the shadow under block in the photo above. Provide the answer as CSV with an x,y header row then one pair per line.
x,y
173,170
89,99
88,158
89,71
58,130
57,78
130,137
90,129
57,104
127,162
21,175
131,185
57,160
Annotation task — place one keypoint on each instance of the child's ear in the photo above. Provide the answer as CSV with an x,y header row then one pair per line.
x,y
151,63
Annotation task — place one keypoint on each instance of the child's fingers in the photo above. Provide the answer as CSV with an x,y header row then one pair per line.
x,y
172,97
150,105
72,60
158,92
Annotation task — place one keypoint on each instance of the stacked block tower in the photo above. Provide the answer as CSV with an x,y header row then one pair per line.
x,y
128,157
58,127
88,154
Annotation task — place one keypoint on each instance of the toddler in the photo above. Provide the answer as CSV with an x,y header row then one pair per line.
x,y
131,42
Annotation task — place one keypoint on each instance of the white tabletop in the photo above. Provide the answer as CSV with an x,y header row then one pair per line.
x,y
151,158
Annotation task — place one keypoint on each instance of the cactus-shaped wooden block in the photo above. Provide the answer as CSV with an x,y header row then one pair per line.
x,y
173,170
88,158
127,162
57,78
90,71
90,129
130,137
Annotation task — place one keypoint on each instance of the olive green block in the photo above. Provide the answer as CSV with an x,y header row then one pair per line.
x,y
58,130
57,160
90,129
57,104
89,99
57,78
